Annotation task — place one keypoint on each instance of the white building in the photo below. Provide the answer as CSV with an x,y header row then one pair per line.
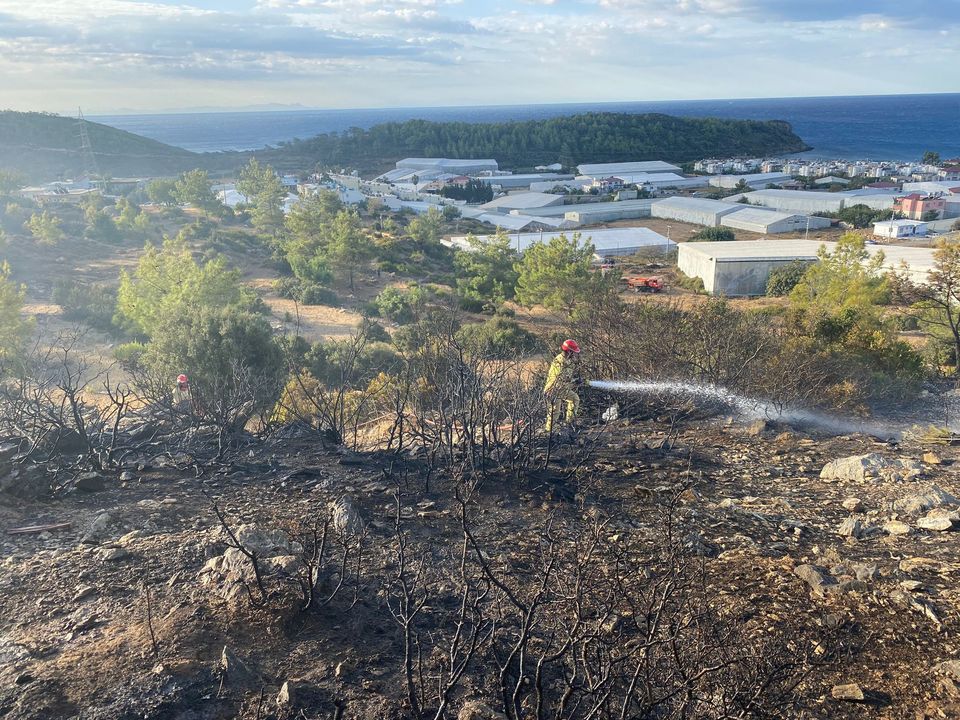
x,y
771,222
602,170
742,267
529,201
523,180
899,228
625,208
658,181
757,181
607,242
449,165
698,211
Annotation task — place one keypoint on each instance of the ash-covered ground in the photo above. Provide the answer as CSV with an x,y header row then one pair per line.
x,y
836,587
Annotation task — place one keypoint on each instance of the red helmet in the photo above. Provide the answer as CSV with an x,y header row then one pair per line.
x,y
570,346
182,379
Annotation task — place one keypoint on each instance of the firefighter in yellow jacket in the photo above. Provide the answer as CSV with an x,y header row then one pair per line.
x,y
563,379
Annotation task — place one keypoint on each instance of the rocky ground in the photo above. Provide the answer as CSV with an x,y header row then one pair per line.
x,y
131,602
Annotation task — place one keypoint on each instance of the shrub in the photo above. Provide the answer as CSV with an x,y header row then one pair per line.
x,y
313,294
783,279
335,364
714,234
400,305
93,305
691,283
499,338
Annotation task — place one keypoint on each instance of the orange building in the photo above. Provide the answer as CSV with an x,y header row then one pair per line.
x,y
920,207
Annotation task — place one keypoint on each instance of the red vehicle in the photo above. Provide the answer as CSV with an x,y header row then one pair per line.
x,y
641,283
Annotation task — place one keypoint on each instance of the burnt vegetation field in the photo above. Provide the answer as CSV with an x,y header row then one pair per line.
x,y
377,524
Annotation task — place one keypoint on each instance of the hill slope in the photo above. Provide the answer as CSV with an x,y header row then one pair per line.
x,y
596,137
43,146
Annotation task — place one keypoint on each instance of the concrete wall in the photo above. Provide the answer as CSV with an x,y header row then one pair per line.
x,y
730,277
692,213
606,214
696,264
743,277
794,224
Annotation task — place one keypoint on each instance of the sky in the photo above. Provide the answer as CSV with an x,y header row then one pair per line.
x,y
137,55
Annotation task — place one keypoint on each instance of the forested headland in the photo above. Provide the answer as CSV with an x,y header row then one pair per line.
x,y
44,146
589,137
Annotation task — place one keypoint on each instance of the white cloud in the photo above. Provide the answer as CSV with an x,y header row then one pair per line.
x,y
371,52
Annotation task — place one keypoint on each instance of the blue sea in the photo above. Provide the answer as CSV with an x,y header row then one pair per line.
x,y
879,127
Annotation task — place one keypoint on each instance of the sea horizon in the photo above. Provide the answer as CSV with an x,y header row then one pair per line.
x,y
856,127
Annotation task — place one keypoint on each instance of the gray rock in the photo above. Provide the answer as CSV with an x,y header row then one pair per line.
x,y
937,523
83,592
114,554
857,468
896,527
850,692
850,527
127,476
90,482
854,505
98,529
474,710
233,667
287,696
932,497
816,577
345,517
865,571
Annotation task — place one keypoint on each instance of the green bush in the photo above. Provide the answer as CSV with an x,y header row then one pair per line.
x,y
313,294
714,234
783,279
334,364
305,292
93,305
400,305
499,338
691,283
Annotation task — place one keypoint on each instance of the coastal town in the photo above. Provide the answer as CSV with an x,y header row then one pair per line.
x,y
648,206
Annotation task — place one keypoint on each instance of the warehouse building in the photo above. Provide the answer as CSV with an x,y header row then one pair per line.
x,y
512,182
742,267
531,201
757,181
806,202
604,170
698,211
627,209
660,181
449,165
596,213
607,242
771,222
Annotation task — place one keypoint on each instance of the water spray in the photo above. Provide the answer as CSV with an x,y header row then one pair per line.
x,y
748,408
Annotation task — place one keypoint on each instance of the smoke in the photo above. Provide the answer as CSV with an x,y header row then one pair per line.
x,y
747,408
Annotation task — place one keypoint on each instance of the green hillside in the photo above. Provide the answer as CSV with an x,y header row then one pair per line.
x,y
43,146
589,137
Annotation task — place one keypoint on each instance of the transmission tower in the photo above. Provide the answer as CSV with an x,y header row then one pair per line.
x,y
90,168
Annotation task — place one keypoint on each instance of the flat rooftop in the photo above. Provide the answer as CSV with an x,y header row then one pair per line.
x,y
612,169
602,239
919,260
623,205
698,204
